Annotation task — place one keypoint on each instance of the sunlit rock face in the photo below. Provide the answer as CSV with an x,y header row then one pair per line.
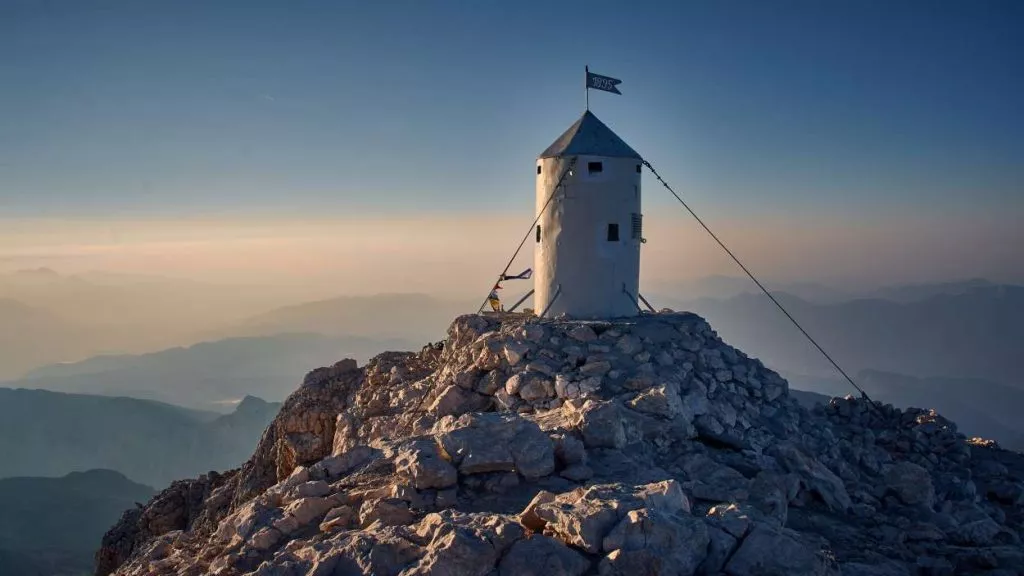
x,y
643,445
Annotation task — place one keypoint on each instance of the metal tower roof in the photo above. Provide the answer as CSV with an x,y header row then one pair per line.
x,y
590,137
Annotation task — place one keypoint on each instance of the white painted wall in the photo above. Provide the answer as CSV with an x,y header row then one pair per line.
x,y
574,251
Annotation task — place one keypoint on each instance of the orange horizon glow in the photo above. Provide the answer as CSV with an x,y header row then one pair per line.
x,y
458,254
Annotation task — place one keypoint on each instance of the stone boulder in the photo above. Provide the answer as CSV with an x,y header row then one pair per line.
x,y
422,464
600,424
583,517
815,476
541,555
770,550
653,542
911,483
708,480
494,442
463,544
582,520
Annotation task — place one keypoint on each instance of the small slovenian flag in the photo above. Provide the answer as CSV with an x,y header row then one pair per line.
x,y
606,83
524,275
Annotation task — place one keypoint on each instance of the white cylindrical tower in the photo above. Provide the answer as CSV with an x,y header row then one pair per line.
x,y
587,241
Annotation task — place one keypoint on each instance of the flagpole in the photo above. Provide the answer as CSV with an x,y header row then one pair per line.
x,y
586,84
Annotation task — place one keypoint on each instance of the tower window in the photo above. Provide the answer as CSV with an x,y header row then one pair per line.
x,y
538,232
613,232
595,167
638,226
538,168
637,168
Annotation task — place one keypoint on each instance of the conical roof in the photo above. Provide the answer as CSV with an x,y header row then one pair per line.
x,y
589,137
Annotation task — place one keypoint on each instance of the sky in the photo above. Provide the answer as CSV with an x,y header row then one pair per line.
x,y
872,139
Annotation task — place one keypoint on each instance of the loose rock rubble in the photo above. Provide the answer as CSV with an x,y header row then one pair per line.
x,y
636,446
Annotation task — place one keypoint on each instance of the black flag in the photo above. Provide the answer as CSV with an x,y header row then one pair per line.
x,y
598,82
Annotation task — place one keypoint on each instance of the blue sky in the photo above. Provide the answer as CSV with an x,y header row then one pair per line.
x,y
847,109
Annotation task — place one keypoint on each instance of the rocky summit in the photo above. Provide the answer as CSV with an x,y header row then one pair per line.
x,y
562,448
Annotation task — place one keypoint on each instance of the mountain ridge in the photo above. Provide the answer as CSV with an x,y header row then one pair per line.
x,y
51,525
424,317
45,433
971,335
204,375
637,445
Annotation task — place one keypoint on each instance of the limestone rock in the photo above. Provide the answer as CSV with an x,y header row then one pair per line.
x,y
542,556
308,489
344,462
601,426
583,333
515,352
491,442
422,464
721,545
597,368
770,550
463,544
569,450
709,427
661,401
815,476
735,519
265,538
709,480
655,543
577,472
455,400
862,569
911,483
697,402
537,389
387,511
341,517
928,566
529,517
628,344
588,386
582,519
301,512
514,383
982,532
665,496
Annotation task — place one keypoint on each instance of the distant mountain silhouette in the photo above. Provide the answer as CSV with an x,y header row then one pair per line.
x,y
414,317
42,274
721,286
49,434
912,292
976,333
52,526
208,374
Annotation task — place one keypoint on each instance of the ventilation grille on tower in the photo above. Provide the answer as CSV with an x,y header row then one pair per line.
x,y
638,226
